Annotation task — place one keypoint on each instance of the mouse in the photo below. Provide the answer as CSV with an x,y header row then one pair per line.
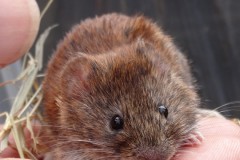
x,y
118,88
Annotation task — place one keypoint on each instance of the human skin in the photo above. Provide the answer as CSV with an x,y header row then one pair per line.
x,y
221,141
221,136
19,24
11,152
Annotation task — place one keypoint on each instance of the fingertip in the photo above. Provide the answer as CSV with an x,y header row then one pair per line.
x,y
9,153
19,24
221,141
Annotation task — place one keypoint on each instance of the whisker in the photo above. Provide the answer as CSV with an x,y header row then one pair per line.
x,y
230,103
182,151
84,153
229,110
64,141
229,107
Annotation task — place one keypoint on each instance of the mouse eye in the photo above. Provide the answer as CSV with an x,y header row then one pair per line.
x,y
163,110
116,122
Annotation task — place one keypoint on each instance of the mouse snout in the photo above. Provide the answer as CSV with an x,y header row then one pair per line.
x,y
153,154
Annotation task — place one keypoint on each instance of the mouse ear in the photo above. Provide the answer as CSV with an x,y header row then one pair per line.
x,y
75,78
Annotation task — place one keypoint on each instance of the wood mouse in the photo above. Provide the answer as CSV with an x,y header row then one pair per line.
x,y
118,88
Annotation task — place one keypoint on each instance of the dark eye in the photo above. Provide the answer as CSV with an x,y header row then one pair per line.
x,y
163,110
117,122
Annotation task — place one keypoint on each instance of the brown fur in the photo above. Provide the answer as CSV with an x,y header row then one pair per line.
x,y
115,64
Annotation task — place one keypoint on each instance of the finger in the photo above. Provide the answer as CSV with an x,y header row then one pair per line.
x,y
222,141
19,23
11,151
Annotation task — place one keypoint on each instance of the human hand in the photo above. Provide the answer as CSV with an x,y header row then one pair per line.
x,y
11,153
221,141
19,23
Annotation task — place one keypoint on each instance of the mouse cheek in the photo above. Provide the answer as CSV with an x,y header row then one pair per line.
x,y
164,151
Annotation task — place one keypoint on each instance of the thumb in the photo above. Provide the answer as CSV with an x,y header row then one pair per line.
x,y
19,23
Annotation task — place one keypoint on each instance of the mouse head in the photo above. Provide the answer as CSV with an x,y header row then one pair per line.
x,y
128,104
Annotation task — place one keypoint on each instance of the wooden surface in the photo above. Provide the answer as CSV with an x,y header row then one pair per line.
x,y
207,31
